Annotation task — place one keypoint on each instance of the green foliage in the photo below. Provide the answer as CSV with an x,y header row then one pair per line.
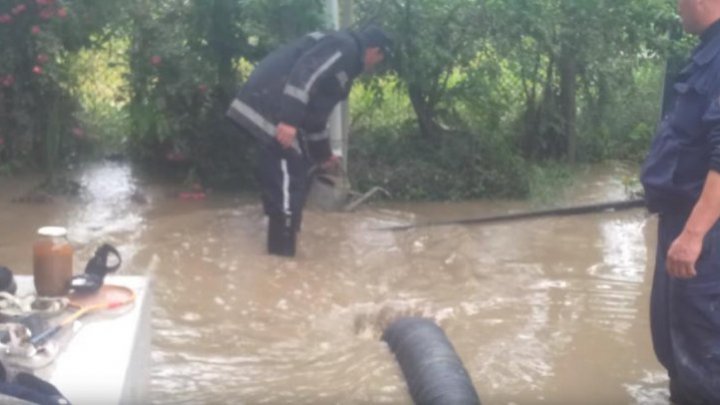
x,y
483,97
433,40
548,181
386,150
37,107
185,61
377,104
547,81
463,165
547,65
628,121
99,84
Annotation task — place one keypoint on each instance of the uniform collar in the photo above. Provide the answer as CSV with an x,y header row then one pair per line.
x,y
709,44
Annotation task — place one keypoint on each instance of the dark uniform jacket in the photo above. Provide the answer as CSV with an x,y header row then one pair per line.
x,y
300,84
687,144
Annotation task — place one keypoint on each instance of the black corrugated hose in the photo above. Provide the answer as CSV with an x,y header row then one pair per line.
x,y
433,371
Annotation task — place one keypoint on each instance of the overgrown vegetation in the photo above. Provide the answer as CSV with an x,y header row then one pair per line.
x,y
482,97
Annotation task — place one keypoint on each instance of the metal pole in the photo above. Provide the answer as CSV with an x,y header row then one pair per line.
x,y
335,125
345,22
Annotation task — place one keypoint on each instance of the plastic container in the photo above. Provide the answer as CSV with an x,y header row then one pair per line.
x,y
52,262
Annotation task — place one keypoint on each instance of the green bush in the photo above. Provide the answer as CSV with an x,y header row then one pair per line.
x,y
462,165
548,181
622,130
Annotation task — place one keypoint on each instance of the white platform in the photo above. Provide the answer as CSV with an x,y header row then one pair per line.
x,y
107,361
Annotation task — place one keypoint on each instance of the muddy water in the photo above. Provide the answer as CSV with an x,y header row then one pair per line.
x,y
551,311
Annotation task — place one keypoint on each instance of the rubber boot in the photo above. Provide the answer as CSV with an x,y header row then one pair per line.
x,y
281,236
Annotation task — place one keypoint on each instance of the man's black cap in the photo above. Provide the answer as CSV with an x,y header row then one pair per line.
x,y
374,37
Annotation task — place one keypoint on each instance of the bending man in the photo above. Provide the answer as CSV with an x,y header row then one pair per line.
x,y
286,104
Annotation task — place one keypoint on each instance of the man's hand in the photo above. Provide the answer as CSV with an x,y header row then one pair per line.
x,y
685,250
683,254
285,134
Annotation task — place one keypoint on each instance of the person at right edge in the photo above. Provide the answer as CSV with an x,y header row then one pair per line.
x,y
286,104
681,178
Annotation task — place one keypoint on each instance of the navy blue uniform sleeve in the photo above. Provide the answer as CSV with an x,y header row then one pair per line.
x,y
324,59
712,119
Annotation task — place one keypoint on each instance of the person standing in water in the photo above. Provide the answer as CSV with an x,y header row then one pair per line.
x,y
286,104
681,178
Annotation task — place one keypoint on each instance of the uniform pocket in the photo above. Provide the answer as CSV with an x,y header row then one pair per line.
x,y
690,105
659,168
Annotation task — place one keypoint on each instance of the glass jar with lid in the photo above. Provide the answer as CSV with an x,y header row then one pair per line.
x,y
52,262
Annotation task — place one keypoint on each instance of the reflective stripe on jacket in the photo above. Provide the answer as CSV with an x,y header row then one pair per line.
x,y
300,84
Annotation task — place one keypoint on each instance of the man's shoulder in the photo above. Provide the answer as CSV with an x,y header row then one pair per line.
x,y
703,71
342,40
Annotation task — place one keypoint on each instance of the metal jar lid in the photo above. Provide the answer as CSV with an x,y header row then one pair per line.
x,y
52,231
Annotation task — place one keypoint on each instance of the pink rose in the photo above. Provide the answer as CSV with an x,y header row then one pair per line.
x,y
8,80
19,9
46,14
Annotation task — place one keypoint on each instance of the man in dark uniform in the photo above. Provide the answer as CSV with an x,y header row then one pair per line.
x,y
286,104
681,177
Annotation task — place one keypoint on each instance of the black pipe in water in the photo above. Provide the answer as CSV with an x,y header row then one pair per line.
x,y
433,371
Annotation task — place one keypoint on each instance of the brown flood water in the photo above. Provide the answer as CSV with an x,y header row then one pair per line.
x,y
547,311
